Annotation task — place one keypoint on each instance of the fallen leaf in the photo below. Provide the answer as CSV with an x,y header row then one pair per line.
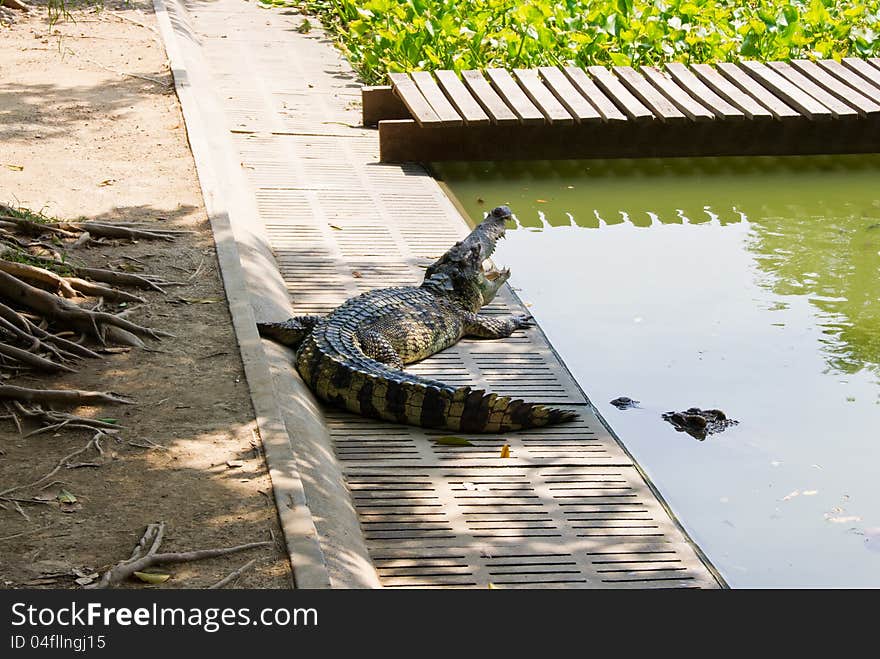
x,y
152,577
14,168
335,228
106,182
196,300
85,581
505,451
453,441
233,464
492,586
66,497
356,274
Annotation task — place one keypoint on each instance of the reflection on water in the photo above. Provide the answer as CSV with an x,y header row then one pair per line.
x,y
747,284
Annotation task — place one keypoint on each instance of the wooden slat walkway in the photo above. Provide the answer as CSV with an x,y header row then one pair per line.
x,y
750,108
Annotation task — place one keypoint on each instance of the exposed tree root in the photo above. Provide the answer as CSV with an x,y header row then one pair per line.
x,y
57,309
94,442
33,228
44,302
143,557
15,4
55,282
69,398
117,231
125,279
35,361
97,290
27,327
50,420
232,576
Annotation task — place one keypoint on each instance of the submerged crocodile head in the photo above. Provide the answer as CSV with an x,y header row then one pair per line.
x,y
466,272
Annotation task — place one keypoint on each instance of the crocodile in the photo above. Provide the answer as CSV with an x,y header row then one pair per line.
x,y
355,356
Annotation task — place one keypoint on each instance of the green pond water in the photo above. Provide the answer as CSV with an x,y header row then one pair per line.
x,y
746,284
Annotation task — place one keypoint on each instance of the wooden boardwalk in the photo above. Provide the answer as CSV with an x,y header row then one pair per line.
x,y
567,508
750,108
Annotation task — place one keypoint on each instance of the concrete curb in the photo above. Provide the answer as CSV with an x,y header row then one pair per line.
x,y
325,545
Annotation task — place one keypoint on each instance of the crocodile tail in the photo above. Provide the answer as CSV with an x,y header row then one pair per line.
x,y
477,411
290,332
403,398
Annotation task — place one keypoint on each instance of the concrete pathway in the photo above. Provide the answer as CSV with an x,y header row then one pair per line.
x,y
304,218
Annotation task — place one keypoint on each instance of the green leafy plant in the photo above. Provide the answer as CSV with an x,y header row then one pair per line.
x,y
381,36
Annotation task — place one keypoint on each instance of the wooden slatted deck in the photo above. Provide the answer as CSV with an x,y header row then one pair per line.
x,y
750,108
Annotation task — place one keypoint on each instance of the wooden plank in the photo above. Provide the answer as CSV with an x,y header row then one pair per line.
x,y
875,61
730,92
515,97
461,98
576,104
542,97
678,96
421,110
494,106
838,108
863,68
378,103
401,141
436,98
801,101
748,85
648,95
609,83
604,106
851,78
836,88
689,81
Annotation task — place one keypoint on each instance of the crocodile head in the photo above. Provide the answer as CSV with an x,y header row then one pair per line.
x,y
466,271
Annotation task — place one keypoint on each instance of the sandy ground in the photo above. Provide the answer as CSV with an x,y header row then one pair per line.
x,y
90,126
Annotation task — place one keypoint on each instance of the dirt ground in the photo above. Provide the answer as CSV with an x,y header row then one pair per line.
x,y
90,126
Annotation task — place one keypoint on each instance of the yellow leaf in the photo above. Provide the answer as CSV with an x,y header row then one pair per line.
x,y
505,451
335,228
14,168
492,586
453,441
152,577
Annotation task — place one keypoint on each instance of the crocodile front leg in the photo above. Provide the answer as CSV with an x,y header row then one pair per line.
x,y
290,332
484,326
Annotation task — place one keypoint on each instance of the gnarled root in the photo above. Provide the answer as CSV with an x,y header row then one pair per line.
x,y
54,308
15,4
143,557
65,397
